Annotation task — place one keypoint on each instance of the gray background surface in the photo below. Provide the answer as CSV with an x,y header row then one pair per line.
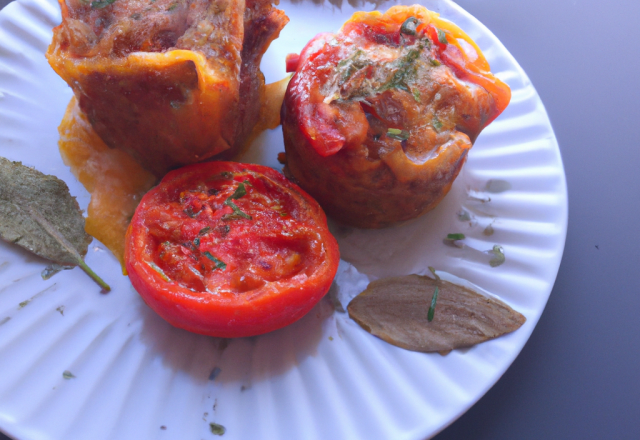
x,y
577,377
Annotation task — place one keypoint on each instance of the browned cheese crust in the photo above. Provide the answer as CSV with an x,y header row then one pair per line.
x,y
163,79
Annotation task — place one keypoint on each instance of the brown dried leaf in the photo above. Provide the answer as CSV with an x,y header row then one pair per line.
x,y
395,309
33,207
38,213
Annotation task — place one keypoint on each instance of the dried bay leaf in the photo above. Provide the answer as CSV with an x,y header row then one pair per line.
x,y
28,196
38,213
395,309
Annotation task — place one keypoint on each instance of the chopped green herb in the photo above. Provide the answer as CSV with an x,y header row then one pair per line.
x,y
331,338
68,374
442,36
204,230
405,65
24,303
409,26
172,7
498,258
159,271
99,4
437,125
432,308
237,213
61,310
416,95
219,264
395,133
240,191
217,429
434,62
351,65
350,58
457,236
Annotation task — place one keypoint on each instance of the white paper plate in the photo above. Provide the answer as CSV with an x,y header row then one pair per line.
x,y
321,378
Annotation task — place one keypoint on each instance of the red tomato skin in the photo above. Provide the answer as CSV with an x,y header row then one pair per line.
x,y
268,308
292,61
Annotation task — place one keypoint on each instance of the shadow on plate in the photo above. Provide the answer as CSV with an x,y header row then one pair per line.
x,y
240,360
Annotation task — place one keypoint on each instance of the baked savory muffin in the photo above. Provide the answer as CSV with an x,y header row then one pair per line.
x,y
378,118
169,82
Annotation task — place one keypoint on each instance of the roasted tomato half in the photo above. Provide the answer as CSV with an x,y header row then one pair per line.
x,y
378,118
228,249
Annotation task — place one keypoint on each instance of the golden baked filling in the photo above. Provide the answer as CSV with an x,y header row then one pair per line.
x,y
162,79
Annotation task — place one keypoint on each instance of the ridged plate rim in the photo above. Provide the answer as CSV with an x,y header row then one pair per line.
x,y
355,370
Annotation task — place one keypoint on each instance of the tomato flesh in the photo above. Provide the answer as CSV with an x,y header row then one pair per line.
x,y
228,249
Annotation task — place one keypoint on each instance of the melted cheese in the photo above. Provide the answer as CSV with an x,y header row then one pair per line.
x,y
115,180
